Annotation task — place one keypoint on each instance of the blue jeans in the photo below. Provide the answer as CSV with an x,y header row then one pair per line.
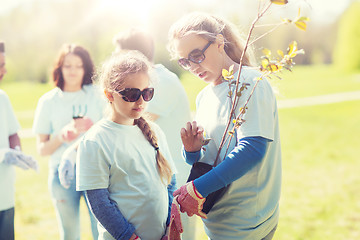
x,y
7,224
67,206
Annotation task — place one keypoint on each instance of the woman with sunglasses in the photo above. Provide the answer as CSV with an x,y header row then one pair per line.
x,y
124,163
62,116
205,44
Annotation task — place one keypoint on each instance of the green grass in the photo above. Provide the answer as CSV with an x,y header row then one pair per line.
x,y
320,196
306,81
24,97
320,172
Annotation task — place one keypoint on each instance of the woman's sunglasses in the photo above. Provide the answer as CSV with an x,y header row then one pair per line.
x,y
133,94
196,56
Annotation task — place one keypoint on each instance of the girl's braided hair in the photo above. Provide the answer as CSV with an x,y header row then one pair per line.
x,y
162,163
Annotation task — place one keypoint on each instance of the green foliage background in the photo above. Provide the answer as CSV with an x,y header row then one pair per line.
x,y
347,50
33,32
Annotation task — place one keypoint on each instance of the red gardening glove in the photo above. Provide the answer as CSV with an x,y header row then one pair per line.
x,y
174,229
190,200
175,226
135,237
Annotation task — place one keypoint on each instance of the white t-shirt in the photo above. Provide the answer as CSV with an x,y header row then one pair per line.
x,y
119,158
8,126
249,209
56,108
171,104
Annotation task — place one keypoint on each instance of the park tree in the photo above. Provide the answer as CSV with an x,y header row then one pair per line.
x,y
347,48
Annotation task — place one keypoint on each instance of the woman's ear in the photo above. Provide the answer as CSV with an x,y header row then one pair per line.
x,y
109,95
220,41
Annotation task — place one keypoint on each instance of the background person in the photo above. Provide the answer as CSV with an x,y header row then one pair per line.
x,y
10,156
62,115
205,44
169,107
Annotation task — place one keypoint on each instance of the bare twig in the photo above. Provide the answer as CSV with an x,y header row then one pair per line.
x,y
234,102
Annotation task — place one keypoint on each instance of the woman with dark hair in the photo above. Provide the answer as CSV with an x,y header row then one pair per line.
x,y
62,116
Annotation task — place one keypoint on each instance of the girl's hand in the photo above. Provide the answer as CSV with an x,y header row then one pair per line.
x,y
192,137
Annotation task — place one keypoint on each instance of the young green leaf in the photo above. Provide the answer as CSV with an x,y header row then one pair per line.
x,y
300,23
206,141
267,52
279,2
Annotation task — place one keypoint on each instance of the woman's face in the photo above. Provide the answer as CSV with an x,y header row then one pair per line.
x,y
125,112
73,72
2,66
210,68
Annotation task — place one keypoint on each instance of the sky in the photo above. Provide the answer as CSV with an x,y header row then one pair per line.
x,y
318,10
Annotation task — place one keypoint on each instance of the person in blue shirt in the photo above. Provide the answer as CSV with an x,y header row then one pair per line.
x,y
205,44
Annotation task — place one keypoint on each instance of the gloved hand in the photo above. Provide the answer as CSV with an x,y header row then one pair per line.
x,y
135,237
82,124
175,226
190,200
17,158
174,229
66,167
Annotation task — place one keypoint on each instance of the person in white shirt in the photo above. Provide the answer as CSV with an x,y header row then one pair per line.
x,y
169,108
205,44
62,116
10,156
123,162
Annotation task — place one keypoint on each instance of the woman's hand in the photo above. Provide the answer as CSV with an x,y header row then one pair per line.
x,y
134,237
69,133
82,124
190,200
192,137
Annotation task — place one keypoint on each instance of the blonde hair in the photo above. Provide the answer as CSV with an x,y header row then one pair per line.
x,y
209,26
162,163
112,76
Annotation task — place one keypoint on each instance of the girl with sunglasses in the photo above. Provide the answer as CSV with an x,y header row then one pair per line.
x,y
124,163
169,108
206,44
62,116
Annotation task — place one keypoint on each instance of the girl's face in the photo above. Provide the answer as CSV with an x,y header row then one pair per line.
x,y
73,72
126,112
210,68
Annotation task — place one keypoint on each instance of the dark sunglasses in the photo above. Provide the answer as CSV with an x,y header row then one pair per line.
x,y
133,94
195,56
